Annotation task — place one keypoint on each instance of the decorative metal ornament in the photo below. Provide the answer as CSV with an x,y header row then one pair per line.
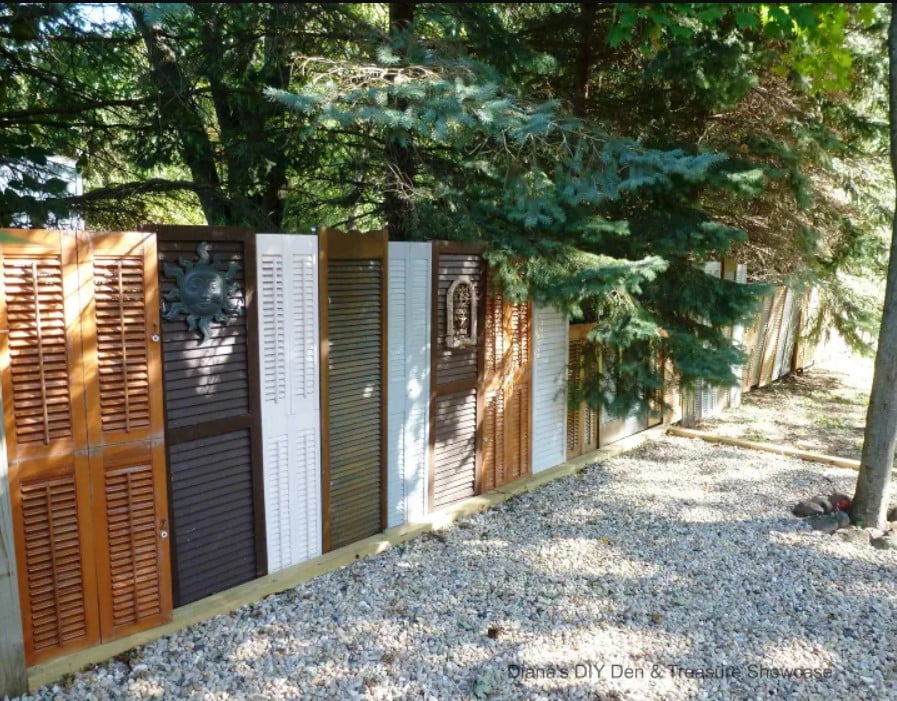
x,y
461,313
202,292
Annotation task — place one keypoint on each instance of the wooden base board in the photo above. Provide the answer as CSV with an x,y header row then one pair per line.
x,y
250,592
766,447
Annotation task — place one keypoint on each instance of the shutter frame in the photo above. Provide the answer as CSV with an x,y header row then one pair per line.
x,y
550,348
408,395
287,270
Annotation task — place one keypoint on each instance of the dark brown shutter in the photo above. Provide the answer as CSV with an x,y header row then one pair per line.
x,y
457,407
574,416
353,331
213,430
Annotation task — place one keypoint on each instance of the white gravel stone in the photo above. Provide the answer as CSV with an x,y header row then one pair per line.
x,y
680,559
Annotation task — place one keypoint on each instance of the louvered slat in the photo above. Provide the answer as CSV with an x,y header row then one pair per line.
x,y
455,455
53,563
574,416
290,400
355,398
133,544
38,357
121,334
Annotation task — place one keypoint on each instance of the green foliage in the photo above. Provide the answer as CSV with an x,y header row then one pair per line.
x,y
701,130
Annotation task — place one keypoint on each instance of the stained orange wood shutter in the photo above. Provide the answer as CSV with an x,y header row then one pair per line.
x,y
46,435
120,337
506,442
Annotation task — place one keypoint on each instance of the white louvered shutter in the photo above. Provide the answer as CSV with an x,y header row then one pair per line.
x,y
408,396
738,337
288,354
550,331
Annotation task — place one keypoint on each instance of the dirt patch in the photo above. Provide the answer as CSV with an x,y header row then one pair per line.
x,y
822,410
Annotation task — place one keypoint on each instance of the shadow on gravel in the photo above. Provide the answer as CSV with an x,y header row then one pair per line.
x,y
608,567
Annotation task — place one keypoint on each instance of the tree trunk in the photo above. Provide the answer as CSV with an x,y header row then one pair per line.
x,y
583,58
870,502
398,200
179,112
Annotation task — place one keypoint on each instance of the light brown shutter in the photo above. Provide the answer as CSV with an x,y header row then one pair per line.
x,y
506,451
120,336
44,412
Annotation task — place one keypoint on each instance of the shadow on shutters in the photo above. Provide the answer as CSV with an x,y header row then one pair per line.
x,y
213,424
353,279
83,418
506,390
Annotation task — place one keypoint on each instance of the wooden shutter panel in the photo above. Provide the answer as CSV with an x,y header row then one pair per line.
x,y
288,352
771,336
213,424
120,338
574,416
506,390
549,387
353,332
785,344
46,437
408,396
739,336
457,414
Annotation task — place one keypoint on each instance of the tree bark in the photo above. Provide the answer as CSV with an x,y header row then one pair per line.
x,y
178,111
870,502
398,200
583,58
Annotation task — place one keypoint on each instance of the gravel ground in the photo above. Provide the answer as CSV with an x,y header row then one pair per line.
x,y
823,410
679,554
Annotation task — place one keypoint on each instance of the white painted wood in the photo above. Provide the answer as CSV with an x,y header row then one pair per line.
x,y
782,367
550,346
13,678
408,387
288,354
738,337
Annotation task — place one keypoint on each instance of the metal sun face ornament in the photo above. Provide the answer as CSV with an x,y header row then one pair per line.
x,y
202,292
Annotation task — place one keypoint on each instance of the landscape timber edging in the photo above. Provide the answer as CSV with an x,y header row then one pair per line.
x,y
809,456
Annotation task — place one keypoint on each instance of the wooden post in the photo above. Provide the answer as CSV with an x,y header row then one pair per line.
x,y
13,679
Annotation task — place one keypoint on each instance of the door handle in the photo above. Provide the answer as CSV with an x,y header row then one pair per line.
x,y
163,532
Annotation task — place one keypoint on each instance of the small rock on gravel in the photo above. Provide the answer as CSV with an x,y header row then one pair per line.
x,y
892,513
886,542
855,535
807,508
826,505
827,523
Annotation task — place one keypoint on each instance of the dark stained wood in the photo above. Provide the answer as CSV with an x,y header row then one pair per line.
x,y
582,422
212,395
456,450
353,331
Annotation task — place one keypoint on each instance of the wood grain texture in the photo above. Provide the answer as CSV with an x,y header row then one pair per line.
x,y
13,677
507,392
457,408
213,401
353,288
